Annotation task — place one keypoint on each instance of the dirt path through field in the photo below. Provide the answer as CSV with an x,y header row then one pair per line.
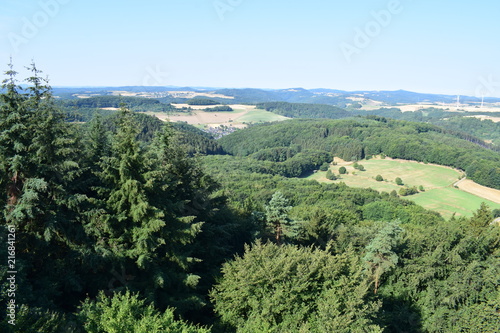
x,y
469,186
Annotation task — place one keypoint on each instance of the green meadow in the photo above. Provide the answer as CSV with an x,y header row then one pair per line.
x,y
260,116
439,193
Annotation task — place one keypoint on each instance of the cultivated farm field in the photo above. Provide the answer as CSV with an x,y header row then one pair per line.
x,y
240,117
438,183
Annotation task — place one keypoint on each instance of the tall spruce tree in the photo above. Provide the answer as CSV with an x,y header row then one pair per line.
x,y
36,158
176,185
129,220
144,219
15,139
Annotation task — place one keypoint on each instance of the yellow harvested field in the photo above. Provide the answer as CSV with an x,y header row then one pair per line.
x,y
469,186
200,117
213,119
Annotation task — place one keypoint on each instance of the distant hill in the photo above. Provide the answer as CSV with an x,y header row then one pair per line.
x,y
335,97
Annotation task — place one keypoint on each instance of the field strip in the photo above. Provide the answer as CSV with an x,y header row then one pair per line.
x,y
201,117
471,187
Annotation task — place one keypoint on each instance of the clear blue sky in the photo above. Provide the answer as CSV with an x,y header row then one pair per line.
x,y
422,45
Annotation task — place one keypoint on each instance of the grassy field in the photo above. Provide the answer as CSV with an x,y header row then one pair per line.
x,y
259,116
439,194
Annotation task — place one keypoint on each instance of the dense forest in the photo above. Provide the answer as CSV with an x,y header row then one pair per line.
x,y
299,110
457,123
201,101
83,109
132,103
128,224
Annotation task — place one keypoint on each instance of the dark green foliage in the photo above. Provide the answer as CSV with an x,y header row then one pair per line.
x,y
421,188
291,289
146,126
201,101
358,166
324,167
399,181
39,320
39,171
481,220
128,313
379,178
299,110
195,141
462,124
408,191
222,108
483,129
342,170
449,273
277,154
330,175
84,114
298,165
98,210
485,172
148,214
139,104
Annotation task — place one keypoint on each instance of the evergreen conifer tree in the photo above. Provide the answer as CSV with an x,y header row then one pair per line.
x,y
278,222
37,168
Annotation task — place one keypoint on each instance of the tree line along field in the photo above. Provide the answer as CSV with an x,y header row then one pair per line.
x,y
239,117
437,181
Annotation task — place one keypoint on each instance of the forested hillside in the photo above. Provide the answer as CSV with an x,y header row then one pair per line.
x,y
298,110
355,139
462,124
118,225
